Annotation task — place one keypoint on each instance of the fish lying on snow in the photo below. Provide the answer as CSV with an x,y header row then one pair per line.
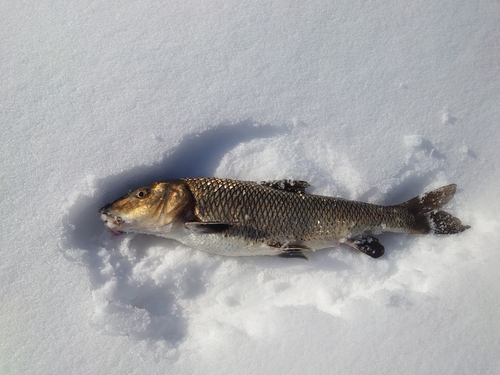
x,y
240,218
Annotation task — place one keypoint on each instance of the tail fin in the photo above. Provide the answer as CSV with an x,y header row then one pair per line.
x,y
428,216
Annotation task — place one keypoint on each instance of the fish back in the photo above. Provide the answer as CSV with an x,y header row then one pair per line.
x,y
266,213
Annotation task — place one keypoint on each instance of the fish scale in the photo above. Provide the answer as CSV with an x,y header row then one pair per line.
x,y
280,215
238,218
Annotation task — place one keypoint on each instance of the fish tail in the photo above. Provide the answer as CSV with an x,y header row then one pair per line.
x,y
429,218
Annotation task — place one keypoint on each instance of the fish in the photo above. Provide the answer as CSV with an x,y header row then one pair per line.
x,y
278,218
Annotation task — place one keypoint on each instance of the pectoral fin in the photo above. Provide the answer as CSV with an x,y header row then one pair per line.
x,y
368,245
207,227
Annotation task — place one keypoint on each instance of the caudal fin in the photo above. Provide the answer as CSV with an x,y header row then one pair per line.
x,y
429,218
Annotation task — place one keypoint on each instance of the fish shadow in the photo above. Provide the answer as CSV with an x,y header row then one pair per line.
x,y
112,263
84,237
197,155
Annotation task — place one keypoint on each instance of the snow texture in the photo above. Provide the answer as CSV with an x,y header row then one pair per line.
x,y
375,101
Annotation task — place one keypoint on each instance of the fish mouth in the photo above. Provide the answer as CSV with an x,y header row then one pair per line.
x,y
112,222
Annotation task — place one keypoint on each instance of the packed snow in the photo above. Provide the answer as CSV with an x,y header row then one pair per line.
x,y
374,101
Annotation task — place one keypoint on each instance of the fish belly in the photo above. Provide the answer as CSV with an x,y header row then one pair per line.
x,y
223,244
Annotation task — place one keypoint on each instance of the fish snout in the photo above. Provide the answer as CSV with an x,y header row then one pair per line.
x,y
105,209
111,221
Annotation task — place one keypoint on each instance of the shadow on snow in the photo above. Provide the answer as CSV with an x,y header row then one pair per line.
x,y
149,309
197,155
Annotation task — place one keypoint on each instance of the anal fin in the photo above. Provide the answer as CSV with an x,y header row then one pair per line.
x,y
368,245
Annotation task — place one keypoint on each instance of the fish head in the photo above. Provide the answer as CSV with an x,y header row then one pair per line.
x,y
152,209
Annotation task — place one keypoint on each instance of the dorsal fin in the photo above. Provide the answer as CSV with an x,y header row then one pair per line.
x,y
294,186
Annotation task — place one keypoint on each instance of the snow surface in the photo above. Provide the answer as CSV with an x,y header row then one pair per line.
x,y
375,101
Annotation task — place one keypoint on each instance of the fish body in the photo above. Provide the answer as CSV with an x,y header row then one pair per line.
x,y
243,218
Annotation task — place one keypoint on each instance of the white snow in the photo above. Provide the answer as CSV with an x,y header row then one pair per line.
x,y
375,101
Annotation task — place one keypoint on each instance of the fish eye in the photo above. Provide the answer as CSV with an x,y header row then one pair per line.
x,y
142,193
